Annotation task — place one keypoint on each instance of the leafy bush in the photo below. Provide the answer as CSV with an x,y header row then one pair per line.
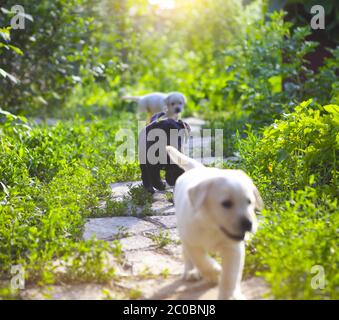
x,y
5,37
162,51
50,180
299,10
294,239
306,142
239,70
56,53
294,164
231,123
326,82
268,69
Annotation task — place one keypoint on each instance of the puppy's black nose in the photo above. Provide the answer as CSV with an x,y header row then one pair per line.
x,y
177,110
246,224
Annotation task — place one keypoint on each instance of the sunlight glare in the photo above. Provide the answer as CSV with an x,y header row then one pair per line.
x,y
163,4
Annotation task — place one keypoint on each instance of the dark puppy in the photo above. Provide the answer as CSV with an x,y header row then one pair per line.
x,y
153,158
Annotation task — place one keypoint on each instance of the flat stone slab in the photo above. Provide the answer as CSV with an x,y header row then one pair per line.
x,y
137,242
172,234
164,208
173,249
161,195
200,290
74,292
147,262
161,287
120,189
114,228
161,205
174,288
167,222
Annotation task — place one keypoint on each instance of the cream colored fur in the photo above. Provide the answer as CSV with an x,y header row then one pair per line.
x,y
212,207
157,102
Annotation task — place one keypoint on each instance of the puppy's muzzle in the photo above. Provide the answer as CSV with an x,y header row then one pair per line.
x,y
246,225
234,237
177,110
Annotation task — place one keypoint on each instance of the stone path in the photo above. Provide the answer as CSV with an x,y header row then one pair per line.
x,y
151,254
152,260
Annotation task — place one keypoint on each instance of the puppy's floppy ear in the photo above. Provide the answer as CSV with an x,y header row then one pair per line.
x,y
185,100
167,100
198,193
259,203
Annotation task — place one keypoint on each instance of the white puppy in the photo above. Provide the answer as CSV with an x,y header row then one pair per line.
x,y
172,103
214,208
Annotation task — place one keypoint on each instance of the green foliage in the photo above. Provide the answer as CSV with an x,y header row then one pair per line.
x,y
326,82
165,52
300,10
231,123
242,72
295,236
137,202
294,164
56,54
5,38
139,196
51,178
161,239
305,141
269,55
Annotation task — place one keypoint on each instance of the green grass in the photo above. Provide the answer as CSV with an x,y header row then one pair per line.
x,y
295,237
52,179
248,78
161,239
294,164
138,196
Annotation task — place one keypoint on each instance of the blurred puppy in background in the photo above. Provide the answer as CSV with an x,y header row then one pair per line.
x,y
153,158
171,103
165,122
215,208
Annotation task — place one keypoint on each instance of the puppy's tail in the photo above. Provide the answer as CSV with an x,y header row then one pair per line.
x,y
130,98
181,160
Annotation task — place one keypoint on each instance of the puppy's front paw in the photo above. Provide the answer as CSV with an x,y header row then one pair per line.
x,y
212,275
191,275
239,296
159,185
150,190
231,296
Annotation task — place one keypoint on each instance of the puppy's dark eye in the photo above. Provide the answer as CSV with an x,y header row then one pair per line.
x,y
228,204
249,201
172,103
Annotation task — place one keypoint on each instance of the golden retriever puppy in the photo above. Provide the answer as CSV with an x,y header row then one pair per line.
x,y
215,208
171,103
